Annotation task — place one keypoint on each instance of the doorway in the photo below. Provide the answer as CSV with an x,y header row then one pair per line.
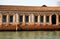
x,y
54,19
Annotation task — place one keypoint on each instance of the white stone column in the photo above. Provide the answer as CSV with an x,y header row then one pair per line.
x,y
23,18
57,20
29,19
50,19
44,19
33,18
38,19
14,20
17,18
7,19
0,19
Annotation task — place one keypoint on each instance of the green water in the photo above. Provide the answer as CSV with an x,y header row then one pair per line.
x,y
30,35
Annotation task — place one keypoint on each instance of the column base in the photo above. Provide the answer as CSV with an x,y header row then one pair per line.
x,y
14,24
38,24
44,24
7,24
31,24
23,24
57,24
50,24
0,25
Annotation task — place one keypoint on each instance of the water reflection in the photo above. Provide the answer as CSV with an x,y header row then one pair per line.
x,y
30,35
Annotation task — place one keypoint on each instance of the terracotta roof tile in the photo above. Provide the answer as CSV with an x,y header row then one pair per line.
x,y
28,8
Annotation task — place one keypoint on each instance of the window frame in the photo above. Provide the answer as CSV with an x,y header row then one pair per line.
x,y
42,19
20,20
59,19
10,19
35,19
27,19
4,22
47,19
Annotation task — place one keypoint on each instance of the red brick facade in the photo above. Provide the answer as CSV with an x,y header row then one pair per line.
x,y
29,11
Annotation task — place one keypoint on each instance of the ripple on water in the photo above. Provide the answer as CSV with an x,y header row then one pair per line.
x,y
30,35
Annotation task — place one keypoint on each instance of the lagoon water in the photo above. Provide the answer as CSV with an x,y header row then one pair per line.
x,y
30,35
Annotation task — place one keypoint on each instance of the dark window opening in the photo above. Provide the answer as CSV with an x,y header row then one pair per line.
x,y
4,18
53,19
21,18
47,18
11,19
26,18
59,18
36,19
41,19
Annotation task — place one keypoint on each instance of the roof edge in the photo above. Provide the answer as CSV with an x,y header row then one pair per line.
x,y
27,6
